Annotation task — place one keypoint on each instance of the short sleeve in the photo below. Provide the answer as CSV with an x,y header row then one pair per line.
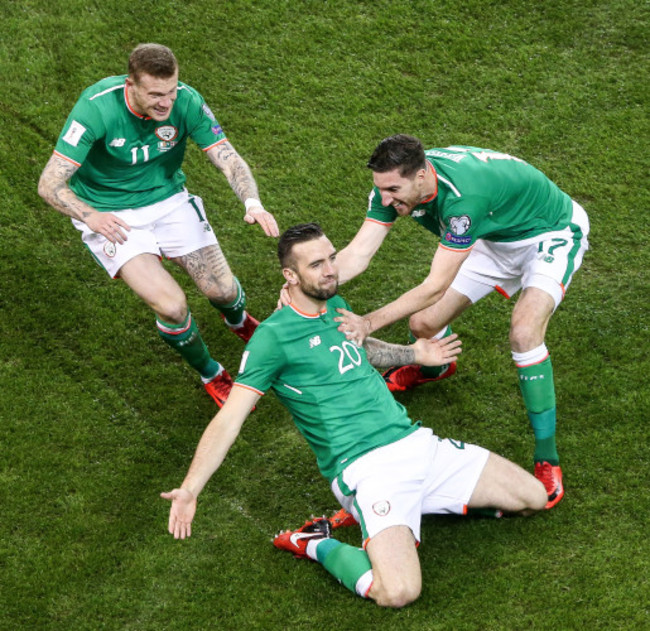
x,y
377,211
262,361
80,132
205,129
462,223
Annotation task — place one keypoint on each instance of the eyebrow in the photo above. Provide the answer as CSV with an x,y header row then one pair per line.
x,y
158,92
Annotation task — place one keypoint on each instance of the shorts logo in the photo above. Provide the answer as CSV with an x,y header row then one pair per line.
x,y
167,133
109,249
460,225
381,508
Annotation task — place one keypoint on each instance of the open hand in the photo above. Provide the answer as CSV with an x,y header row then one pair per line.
x,y
181,513
257,214
108,225
434,352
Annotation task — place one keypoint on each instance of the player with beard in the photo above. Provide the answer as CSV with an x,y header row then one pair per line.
x,y
382,467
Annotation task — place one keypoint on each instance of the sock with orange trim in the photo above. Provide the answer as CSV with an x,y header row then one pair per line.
x,y
535,373
233,311
186,340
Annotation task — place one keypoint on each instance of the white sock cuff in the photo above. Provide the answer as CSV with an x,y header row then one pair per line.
x,y
364,584
311,548
440,334
534,356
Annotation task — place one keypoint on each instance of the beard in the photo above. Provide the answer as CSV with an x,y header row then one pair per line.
x,y
320,293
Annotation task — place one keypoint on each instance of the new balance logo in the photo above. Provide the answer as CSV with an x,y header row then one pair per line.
x,y
314,341
117,142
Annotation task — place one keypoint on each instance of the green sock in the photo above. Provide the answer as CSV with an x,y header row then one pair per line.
x,y
186,340
538,391
233,311
349,565
432,371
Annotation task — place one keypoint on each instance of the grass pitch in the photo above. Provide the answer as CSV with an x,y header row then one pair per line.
x,y
98,416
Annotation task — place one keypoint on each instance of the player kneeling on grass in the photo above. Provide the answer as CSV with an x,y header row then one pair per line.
x,y
383,468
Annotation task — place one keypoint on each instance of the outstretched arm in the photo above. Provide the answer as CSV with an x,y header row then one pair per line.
x,y
241,180
444,267
355,257
211,451
425,352
53,188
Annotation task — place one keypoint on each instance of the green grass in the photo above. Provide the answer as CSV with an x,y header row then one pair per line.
x,y
97,416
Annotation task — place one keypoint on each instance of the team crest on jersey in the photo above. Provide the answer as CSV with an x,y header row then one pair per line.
x,y
167,133
460,225
381,508
109,249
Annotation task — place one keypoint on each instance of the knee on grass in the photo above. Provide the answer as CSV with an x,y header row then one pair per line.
x,y
396,595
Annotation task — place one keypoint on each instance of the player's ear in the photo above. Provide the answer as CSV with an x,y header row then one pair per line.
x,y
290,276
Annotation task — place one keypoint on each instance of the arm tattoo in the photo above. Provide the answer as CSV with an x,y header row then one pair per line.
x,y
384,355
234,167
53,188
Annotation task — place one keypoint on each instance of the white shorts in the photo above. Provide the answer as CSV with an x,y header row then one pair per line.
x,y
420,474
173,227
546,262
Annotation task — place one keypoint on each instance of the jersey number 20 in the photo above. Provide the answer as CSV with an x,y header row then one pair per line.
x,y
349,356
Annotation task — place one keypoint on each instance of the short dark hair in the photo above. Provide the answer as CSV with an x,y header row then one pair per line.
x,y
401,152
152,59
292,236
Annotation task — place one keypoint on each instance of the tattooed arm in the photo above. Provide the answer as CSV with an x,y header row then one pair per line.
x,y
425,352
53,188
241,180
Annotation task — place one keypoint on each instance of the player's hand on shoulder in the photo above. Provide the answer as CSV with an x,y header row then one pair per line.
x,y
433,352
108,225
284,298
257,214
181,513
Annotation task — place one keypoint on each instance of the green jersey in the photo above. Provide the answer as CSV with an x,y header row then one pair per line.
x,y
127,160
482,194
338,401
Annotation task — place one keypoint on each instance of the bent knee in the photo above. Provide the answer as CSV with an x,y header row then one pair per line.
x,y
539,498
171,311
524,337
420,325
396,596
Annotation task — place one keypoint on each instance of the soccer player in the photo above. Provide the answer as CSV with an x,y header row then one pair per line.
x,y
383,468
502,225
116,171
